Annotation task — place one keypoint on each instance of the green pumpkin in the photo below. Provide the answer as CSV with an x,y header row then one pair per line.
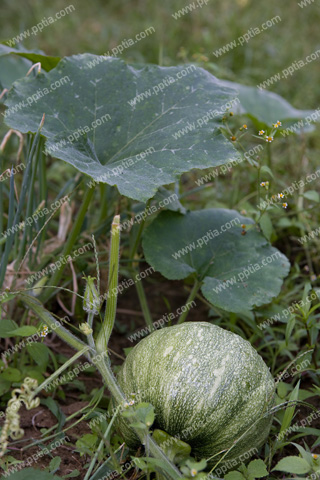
x,y
207,385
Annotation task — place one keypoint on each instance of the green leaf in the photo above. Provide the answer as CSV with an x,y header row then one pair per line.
x,y
39,352
109,466
201,465
54,464
11,375
5,386
35,56
6,327
138,425
175,449
289,412
34,373
168,199
282,389
266,226
304,454
265,169
312,195
154,463
229,263
55,409
7,297
289,328
111,152
293,464
265,107
234,476
145,413
257,469
31,474
87,443
74,473
25,331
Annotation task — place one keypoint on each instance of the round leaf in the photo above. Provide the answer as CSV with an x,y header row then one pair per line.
x,y
39,352
293,464
238,271
25,331
6,328
11,375
257,468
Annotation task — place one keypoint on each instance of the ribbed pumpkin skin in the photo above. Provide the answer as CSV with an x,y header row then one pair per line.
x,y
207,385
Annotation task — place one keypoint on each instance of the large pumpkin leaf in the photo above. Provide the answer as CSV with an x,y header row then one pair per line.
x,y
151,125
265,108
239,272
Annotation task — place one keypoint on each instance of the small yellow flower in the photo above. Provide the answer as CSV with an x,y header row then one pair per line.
x,y
261,132
315,456
285,205
280,195
245,127
243,226
279,123
131,403
262,184
231,114
243,212
233,138
44,332
269,139
275,125
193,472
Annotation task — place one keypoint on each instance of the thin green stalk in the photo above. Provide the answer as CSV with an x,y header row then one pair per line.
x,y
101,444
90,336
190,299
259,181
144,305
49,320
46,437
269,156
111,308
60,370
5,256
103,202
74,234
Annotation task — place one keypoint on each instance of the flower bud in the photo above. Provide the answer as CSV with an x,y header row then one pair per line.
x,y
91,300
85,328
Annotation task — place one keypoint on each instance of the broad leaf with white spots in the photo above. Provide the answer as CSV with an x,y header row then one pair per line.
x,y
238,272
96,122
